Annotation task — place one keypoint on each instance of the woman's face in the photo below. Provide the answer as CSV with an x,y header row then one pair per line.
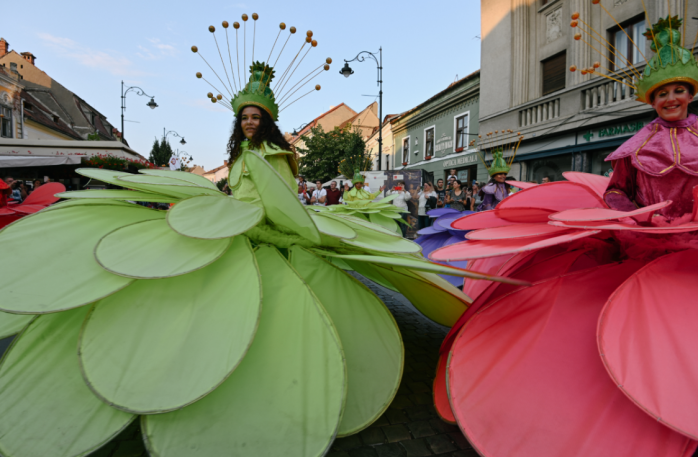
x,y
671,102
456,186
476,189
500,177
251,118
427,188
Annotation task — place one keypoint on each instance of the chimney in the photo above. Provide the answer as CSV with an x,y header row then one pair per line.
x,y
29,57
4,47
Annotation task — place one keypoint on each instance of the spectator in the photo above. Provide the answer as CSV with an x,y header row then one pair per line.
x,y
36,184
303,194
475,200
459,198
452,174
334,195
427,201
401,202
16,195
441,192
319,195
5,192
302,183
545,179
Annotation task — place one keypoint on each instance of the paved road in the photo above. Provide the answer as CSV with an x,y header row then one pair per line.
x,y
410,426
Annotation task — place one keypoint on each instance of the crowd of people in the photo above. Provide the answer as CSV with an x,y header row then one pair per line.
x,y
20,190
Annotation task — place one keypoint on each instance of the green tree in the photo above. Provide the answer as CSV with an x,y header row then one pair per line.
x,y
160,153
325,150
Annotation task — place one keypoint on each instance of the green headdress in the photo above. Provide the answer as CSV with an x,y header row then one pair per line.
x,y
358,177
499,165
352,166
671,64
257,91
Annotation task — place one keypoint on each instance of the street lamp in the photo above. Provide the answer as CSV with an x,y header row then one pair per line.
x,y
164,136
151,104
347,71
299,129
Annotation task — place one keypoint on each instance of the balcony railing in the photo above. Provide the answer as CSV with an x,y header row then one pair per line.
x,y
542,112
605,94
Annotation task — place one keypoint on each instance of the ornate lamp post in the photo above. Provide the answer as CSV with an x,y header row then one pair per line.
x,y
173,133
347,71
299,129
151,104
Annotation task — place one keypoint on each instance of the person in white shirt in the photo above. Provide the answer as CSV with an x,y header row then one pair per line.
x,y
319,195
424,206
401,202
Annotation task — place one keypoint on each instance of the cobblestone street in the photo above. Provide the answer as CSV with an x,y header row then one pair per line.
x,y
409,428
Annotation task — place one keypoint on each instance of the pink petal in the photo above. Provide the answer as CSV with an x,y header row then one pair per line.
x,y
555,196
595,182
516,231
602,214
688,227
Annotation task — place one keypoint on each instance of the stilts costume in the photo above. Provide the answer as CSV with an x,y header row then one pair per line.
x,y
599,356
36,201
221,323
359,202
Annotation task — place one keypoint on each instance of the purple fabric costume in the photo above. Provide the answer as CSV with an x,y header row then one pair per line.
x,y
494,193
657,164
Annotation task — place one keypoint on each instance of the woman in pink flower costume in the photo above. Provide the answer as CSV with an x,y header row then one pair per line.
x,y
599,356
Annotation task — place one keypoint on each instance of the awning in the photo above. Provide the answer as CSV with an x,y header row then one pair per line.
x,y
37,161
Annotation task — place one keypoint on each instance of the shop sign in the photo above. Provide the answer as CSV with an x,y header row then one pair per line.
x,y
623,129
462,160
445,142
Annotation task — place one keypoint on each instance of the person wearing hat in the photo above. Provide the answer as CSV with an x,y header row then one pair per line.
x,y
497,189
357,192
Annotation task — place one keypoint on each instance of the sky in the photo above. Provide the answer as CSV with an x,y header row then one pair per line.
x,y
90,47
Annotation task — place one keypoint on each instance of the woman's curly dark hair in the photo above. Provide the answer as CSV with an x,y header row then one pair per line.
x,y
268,131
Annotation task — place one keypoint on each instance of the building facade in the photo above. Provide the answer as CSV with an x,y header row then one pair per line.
x,y
436,135
569,121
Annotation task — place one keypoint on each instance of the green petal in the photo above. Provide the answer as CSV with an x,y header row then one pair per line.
x,y
437,300
86,201
333,227
58,247
166,185
162,344
12,324
100,174
370,339
387,199
213,217
131,195
384,221
377,241
360,221
182,176
281,204
285,398
236,172
371,272
47,410
151,250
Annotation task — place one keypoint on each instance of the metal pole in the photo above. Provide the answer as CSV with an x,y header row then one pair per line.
x,y
380,110
123,107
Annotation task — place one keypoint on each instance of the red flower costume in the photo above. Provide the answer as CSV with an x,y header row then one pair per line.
x,y
38,200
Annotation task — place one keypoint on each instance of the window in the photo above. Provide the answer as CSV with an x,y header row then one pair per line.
x,y
429,142
461,133
626,51
5,122
406,150
554,73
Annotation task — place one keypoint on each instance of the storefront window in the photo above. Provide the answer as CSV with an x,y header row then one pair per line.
x,y
406,150
552,167
429,143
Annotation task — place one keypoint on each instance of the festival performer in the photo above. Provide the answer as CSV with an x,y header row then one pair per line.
x,y
598,356
217,323
497,189
357,192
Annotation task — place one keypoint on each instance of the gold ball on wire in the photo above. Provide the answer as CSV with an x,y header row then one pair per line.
x,y
225,24
313,43
198,74
211,28
326,67
573,68
328,60
209,95
597,64
309,33
245,17
236,25
219,97
577,36
194,49
292,29
317,87
255,16
584,72
573,24
575,15
308,39
282,26
213,100
595,2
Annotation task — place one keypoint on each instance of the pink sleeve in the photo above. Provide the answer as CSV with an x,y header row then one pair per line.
x,y
621,190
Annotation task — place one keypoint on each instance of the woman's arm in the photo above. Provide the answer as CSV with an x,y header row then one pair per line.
x,y
620,192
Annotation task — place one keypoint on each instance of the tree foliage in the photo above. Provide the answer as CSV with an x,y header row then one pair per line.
x,y
161,153
324,151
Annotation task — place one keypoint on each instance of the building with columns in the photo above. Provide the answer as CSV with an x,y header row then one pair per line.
x,y
569,121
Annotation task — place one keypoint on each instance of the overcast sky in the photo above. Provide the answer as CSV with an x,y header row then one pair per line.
x,y
89,47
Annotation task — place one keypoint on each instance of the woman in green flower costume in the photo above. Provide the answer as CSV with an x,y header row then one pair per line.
x,y
221,324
